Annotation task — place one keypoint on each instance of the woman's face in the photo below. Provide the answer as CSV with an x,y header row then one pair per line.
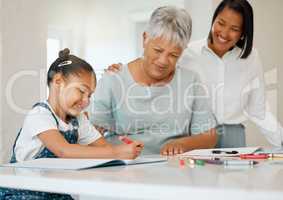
x,y
75,93
226,31
160,57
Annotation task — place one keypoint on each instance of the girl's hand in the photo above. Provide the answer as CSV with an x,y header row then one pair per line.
x,y
173,147
114,68
128,151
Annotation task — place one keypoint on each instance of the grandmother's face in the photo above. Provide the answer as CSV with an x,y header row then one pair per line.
x,y
160,57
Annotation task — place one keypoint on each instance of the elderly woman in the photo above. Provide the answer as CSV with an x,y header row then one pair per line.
x,y
153,100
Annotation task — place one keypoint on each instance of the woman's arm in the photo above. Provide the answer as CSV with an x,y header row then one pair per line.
x,y
57,144
204,140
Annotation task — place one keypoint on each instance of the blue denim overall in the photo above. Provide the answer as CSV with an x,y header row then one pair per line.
x,y
15,194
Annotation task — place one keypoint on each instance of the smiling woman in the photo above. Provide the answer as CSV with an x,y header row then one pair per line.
x,y
231,69
167,109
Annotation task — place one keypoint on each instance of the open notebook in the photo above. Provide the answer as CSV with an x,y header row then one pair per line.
x,y
79,164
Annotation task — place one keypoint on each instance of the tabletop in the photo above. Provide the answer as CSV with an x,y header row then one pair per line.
x,y
167,180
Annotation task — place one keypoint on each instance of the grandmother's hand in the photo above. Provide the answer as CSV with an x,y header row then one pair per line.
x,y
114,68
173,147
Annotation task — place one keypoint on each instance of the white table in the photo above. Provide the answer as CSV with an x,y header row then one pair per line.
x,y
155,181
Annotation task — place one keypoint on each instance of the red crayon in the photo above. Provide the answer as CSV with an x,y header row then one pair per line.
x,y
254,156
125,139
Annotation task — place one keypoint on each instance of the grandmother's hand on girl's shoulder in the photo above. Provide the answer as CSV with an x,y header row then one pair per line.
x,y
114,68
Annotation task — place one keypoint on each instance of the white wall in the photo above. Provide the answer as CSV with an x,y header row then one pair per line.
x,y
24,55
201,12
102,31
109,33
66,20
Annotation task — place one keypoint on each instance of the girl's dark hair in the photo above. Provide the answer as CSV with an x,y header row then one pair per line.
x,y
68,64
245,9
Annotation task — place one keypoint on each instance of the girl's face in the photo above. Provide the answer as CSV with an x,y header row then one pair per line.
x,y
75,92
226,31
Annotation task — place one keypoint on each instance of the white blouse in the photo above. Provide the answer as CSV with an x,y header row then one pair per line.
x,y
236,87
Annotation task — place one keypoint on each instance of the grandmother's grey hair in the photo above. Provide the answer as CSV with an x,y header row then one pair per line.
x,y
171,23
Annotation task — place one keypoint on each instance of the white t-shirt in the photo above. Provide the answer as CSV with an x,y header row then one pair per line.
x,y
40,119
236,87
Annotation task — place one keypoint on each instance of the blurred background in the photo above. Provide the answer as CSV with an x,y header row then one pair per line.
x,y
105,32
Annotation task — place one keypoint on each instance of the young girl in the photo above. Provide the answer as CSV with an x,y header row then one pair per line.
x,y
58,127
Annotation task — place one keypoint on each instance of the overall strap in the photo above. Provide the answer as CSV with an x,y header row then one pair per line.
x,y
44,105
13,158
74,121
